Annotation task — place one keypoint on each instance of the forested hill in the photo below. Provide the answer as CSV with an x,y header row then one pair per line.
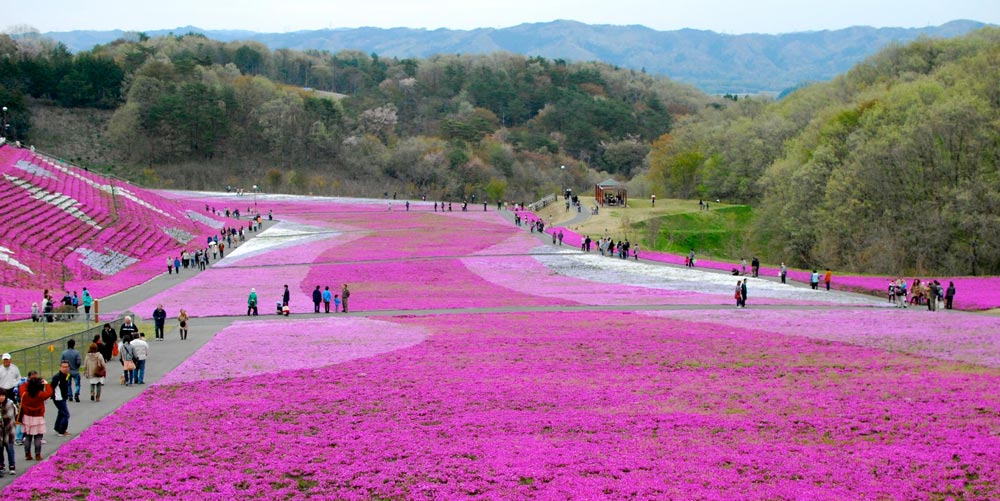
x,y
714,62
192,112
893,167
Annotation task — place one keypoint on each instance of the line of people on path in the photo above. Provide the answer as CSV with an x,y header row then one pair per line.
x,y
323,297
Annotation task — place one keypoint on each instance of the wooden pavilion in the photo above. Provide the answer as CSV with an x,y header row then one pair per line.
x,y
611,192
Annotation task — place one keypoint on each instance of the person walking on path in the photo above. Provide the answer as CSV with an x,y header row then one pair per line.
x,y
96,370
140,349
344,294
128,358
10,377
949,295
60,395
88,301
827,277
182,324
327,298
159,321
170,266
784,272
71,356
252,302
109,339
34,392
8,414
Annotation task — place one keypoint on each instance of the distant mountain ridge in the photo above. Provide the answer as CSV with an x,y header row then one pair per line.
x,y
715,63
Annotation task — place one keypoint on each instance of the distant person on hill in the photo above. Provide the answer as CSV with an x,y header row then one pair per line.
x,y
949,296
755,266
783,272
159,321
344,294
743,266
743,292
739,294
691,258
36,314
286,296
177,265
827,277
814,280
336,303
317,299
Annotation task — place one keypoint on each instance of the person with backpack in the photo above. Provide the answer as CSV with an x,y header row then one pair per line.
x,y
34,392
95,368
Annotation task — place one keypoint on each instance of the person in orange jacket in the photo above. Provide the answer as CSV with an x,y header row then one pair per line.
x,y
827,277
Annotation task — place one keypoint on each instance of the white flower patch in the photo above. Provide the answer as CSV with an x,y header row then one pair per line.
x,y
610,270
178,234
282,235
106,264
7,257
203,219
35,170
65,203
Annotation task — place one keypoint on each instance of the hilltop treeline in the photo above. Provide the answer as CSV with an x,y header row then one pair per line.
x,y
349,122
890,168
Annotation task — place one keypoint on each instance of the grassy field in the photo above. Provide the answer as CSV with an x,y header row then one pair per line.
x,y
678,225
22,334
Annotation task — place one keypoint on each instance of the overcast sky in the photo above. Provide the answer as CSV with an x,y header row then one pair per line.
x,y
725,16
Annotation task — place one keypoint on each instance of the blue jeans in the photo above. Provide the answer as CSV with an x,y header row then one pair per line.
x,y
62,419
140,371
75,379
10,455
129,376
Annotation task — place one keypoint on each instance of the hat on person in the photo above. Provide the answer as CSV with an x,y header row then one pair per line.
x,y
5,356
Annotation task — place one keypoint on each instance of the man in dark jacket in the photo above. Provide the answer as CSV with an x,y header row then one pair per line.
x,y
160,321
60,388
128,328
287,296
75,360
317,299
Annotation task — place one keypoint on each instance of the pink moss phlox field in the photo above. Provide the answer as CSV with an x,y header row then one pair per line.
x,y
224,291
554,406
973,293
250,347
958,336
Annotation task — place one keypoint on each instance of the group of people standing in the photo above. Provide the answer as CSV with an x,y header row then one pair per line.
x,y
323,297
928,292
47,311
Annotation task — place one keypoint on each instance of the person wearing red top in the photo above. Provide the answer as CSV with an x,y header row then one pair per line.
x,y
33,394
